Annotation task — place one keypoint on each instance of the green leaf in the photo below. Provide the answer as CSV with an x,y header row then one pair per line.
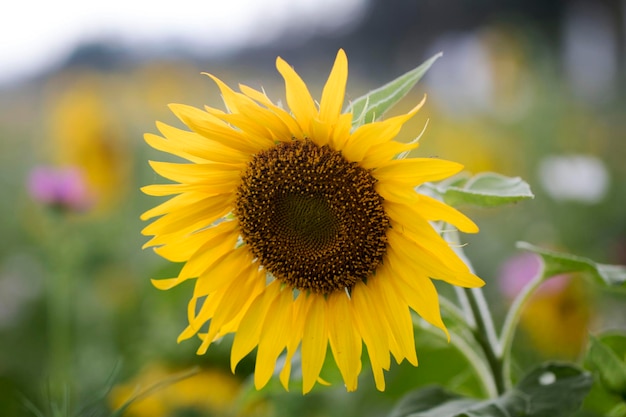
x,y
487,189
610,367
551,390
374,104
437,402
555,389
556,263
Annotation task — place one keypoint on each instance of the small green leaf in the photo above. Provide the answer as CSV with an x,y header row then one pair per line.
x,y
611,368
556,263
551,390
486,189
374,104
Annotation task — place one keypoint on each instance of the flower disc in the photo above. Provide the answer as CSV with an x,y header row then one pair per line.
x,y
313,219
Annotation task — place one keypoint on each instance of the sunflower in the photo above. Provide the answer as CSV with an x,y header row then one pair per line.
x,y
301,232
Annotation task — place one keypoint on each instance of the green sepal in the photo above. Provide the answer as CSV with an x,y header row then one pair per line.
x,y
550,390
556,263
373,105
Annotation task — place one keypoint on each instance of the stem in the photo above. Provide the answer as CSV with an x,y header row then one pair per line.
x,y
479,317
468,314
459,315
475,360
61,248
484,333
511,321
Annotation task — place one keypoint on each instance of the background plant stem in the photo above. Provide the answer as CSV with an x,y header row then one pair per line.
x,y
511,321
485,336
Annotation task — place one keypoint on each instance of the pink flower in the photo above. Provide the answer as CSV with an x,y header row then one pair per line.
x,y
64,188
517,271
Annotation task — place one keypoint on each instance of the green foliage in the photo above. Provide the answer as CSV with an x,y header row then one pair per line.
x,y
486,189
556,263
551,390
611,368
606,359
373,105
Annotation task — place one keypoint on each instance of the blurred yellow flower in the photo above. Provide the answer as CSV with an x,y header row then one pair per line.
x,y
556,317
557,321
302,232
85,135
210,391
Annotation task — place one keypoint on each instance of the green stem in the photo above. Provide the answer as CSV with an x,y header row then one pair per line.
x,y
63,251
480,319
484,333
474,359
468,314
511,321
459,315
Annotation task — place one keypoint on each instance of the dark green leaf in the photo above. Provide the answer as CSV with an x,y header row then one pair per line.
x,y
374,104
487,189
555,389
551,390
556,263
437,402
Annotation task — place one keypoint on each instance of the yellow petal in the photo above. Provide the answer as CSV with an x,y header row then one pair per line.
x,y
256,287
238,294
210,254
300,311
166,283
162,190
171,147
216,130
194,173
205,178
249,126
373,332
183,249
396,311
432,209
189,331
378,155
173,204
292,125
345,342
341,132
320,132
376,133
191,218
298,96
437,266
218,273
415,171
206,256
231,98
249,332
314,341
198,318
274,336
409,222
417,289
334,90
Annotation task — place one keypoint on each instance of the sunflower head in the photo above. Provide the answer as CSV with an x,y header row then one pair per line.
x,y
301,231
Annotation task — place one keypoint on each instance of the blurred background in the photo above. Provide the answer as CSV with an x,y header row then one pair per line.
x,y
529,88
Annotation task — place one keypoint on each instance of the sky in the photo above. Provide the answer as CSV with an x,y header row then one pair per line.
x,y
37,34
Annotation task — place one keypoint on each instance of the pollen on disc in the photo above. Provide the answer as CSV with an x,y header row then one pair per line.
x,y
313,219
